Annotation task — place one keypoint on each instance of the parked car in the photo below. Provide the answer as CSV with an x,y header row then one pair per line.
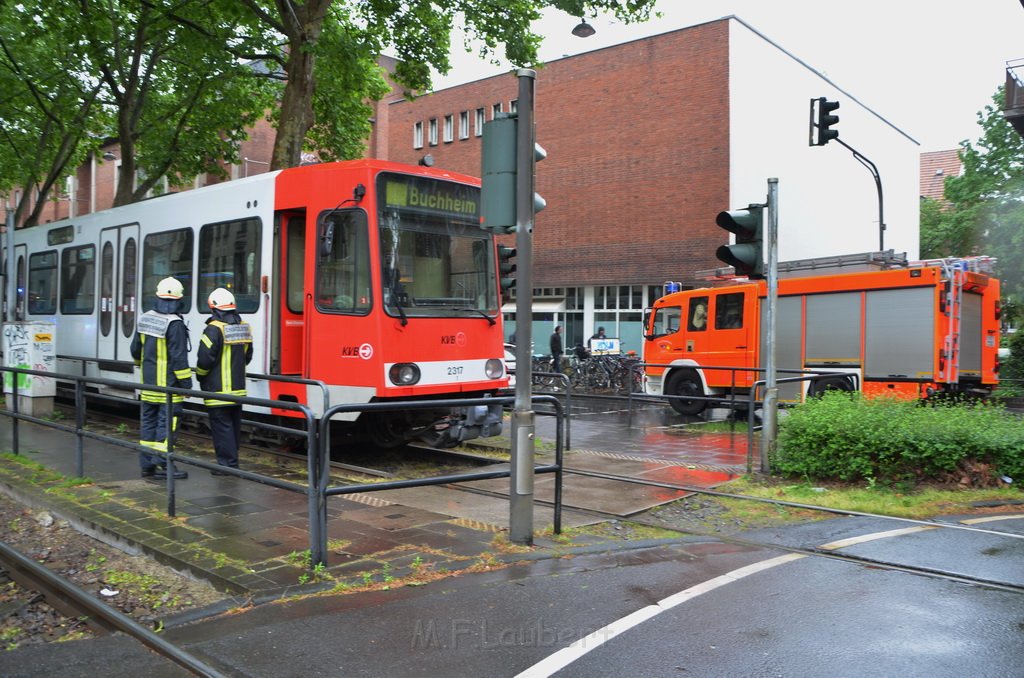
x,y
510,363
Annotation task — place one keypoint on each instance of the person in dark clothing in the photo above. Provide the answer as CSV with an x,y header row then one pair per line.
x,y
224,351
556,349
161,347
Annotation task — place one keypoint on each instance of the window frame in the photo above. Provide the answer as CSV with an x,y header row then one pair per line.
x,y
51,309
239,231
70,296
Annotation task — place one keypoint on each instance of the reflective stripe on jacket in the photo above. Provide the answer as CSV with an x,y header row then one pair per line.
x,y
224,351
160,347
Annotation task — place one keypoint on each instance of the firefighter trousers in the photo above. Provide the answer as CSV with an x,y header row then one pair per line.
x,y
153,431
226,430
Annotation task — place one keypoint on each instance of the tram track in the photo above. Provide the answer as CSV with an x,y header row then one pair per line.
x,y
72,601
638,518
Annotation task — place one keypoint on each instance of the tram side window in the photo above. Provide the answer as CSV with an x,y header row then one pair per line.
x,y
729,311
163,255
343,263
78,280
42,283
229,258
697,315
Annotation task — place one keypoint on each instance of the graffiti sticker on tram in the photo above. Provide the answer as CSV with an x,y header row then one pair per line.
x,y
364,351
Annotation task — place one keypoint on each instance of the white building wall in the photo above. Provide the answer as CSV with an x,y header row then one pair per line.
x,y
828,202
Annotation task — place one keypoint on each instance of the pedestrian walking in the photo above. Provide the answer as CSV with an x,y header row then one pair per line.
x,y
224,351
161,347
556,349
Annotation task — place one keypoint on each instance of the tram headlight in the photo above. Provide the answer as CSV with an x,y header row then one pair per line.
x,y
495,368
404,374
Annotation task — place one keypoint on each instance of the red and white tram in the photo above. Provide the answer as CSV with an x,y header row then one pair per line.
x,y
372,277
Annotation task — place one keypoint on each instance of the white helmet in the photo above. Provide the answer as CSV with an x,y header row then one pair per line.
x,y
170,288
222,299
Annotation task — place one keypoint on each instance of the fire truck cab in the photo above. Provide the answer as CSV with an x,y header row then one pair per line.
x,y
909,329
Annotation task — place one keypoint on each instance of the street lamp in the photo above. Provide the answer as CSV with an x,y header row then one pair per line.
x,y
583,29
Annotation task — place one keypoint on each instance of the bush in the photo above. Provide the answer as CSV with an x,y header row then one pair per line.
x,y
845,436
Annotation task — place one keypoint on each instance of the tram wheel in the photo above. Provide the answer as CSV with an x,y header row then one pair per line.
x,y
685,383
387,431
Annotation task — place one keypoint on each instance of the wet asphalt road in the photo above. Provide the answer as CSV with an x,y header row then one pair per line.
x,y
688,607
691,607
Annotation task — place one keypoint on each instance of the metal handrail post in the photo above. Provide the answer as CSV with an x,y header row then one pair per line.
x,y
318,447
169,455
79,428
14,408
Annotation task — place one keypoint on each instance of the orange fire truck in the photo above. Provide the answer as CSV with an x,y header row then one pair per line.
x,y
910,329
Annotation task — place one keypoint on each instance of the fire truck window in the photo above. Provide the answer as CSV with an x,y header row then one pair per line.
x,y
666,320
698,314
729,311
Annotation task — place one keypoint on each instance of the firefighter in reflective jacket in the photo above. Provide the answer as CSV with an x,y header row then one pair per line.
x,y
161,347
224,351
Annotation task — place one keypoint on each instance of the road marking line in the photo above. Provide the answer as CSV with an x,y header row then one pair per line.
x,y
992,519
559,660
852,541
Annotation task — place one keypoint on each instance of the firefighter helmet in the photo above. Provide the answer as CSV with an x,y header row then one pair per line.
x,y
170,288
222,299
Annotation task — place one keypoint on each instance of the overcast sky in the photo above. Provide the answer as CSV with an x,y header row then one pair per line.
x,y
928,66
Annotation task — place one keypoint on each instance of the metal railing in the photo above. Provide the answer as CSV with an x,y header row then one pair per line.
x,y
316,432
733,401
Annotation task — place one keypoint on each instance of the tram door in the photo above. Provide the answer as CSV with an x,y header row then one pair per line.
x,y
287,344
118,303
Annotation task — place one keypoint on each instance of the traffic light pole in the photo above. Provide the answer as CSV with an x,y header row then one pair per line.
x,y
770,409
523,417
878,185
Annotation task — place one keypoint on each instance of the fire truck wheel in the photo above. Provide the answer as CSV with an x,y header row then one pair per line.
x,y
685,383
830,384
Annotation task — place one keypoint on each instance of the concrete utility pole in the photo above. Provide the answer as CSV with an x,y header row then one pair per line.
x,y
770,409
523,417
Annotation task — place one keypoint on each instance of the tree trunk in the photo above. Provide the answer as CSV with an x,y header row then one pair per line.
x,y
303,23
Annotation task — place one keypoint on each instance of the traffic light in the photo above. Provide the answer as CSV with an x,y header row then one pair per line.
x,y
499,169
506,271
745,254
825,121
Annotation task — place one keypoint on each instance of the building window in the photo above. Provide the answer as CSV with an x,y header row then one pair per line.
x,y
513,106
417,135
433,131
495,110
464,125
449,128
478,126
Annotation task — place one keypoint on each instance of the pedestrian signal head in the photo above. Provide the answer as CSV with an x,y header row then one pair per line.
x,y
170,288
222,299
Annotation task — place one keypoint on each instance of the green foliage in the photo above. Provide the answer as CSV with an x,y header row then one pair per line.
x,y
986,202
844,436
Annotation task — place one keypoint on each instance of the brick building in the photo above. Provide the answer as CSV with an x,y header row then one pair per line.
x,y
647,141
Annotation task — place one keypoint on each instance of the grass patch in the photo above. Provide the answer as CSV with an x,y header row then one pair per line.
x,y
920,502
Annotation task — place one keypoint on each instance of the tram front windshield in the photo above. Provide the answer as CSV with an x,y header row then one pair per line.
x,y
436,261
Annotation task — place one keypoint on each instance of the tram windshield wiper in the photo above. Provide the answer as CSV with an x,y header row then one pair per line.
x,y
396,301
468,309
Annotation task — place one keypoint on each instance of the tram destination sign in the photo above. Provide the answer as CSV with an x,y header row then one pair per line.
x,y
432,195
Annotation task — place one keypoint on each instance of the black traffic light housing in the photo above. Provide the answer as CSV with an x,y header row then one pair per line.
x,y
506,271
746,254
821,131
